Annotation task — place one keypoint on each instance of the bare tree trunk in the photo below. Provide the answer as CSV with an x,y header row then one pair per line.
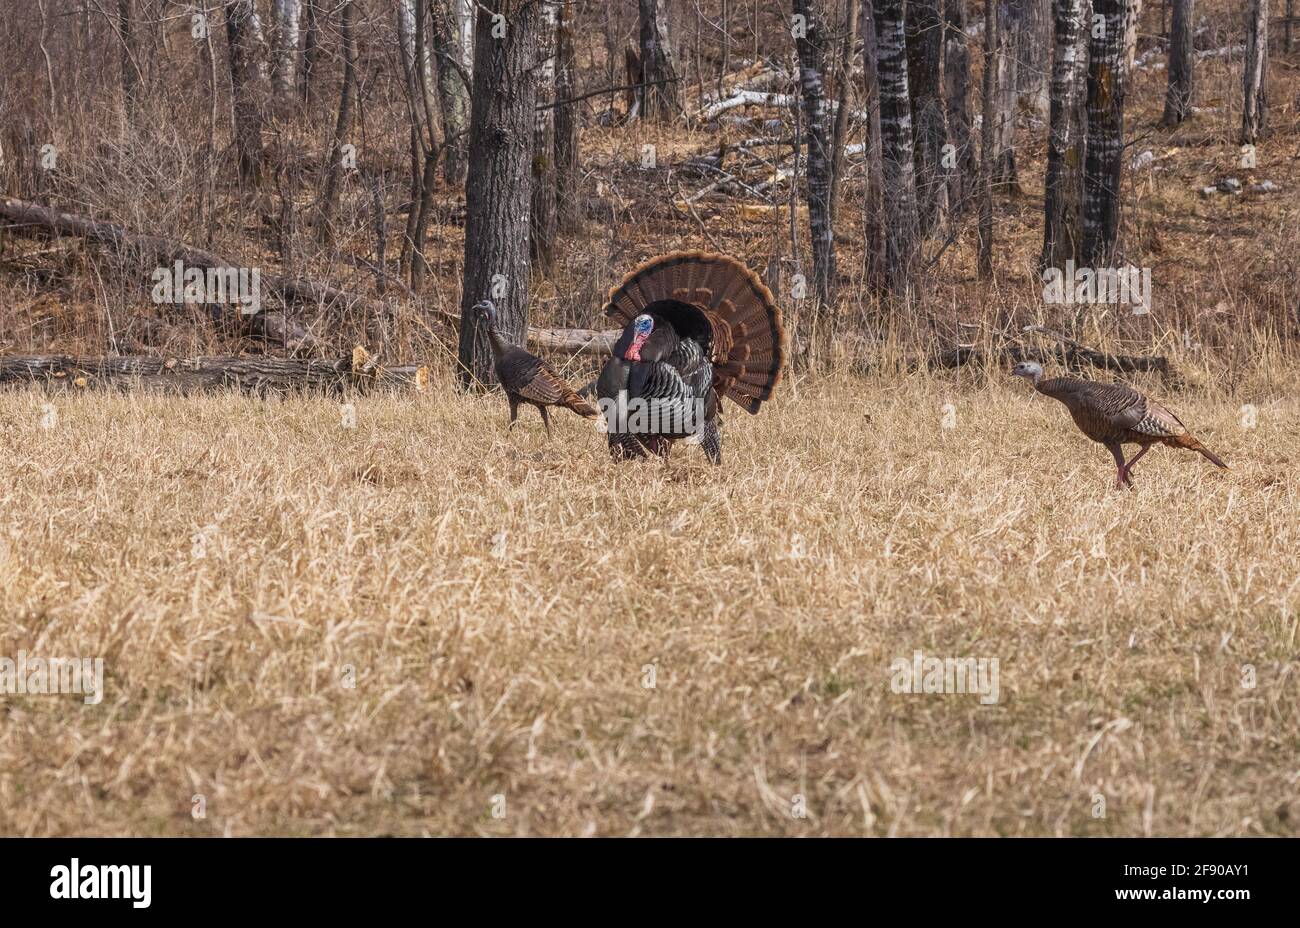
x,y
453,41
248,79
1254,114
497,202
426,97
810,44
406,51
961,171
1131,34
988,140
343,125
125,24
1032,42
662,100
310,50
542,230
1010,13
844,78
1104,165
285,16
924,28
566,123
1063,188
901,225
875,201
1182,63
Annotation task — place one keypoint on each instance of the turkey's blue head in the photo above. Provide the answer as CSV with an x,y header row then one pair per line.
x,y
642,326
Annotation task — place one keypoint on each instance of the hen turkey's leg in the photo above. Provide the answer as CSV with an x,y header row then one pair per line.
x,y
514,412
1128,468
1121,475
546,420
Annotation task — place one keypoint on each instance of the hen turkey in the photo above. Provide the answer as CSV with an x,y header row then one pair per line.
x,y
1115,415
697,327
526,378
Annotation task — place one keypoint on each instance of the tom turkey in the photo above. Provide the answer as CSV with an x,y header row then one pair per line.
x,y
526,378
696,327
1115,415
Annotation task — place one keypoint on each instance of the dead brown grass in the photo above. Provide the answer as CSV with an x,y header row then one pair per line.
x,y
501,600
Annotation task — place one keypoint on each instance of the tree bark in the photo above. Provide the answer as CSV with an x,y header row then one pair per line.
x,y
343,124
125,21
248,84
875,166
1009,25
844,80
924,29
1032,44
961,171
1133,13
426,100
310,51
661,99
453,39
285,16
901,226
566,123
541,237
1105,147
1063,188
811,49
1182,63
497,202
1254,114
988,139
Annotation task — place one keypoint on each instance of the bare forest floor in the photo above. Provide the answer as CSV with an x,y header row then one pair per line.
x,y
413,626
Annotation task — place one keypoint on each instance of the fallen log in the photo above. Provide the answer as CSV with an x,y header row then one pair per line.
x,y
25,218
195,375
573,341
1068,353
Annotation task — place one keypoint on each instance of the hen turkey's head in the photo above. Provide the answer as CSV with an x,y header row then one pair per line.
x,y
1028,370
642,326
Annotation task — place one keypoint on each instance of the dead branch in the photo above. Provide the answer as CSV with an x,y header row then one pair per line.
x,y
1074,352
194,375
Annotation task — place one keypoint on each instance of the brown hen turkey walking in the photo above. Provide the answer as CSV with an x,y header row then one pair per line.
x,y
526,378
1115,415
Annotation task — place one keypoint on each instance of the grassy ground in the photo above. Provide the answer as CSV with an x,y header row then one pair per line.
x,y
421,625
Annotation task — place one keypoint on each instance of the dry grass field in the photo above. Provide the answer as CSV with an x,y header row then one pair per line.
x,y
421,625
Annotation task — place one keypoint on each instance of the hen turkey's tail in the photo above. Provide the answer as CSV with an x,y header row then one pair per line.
x,y
744,332
1192,443
575,402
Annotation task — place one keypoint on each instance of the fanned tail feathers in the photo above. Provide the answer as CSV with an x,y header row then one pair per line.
x,y
748,341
